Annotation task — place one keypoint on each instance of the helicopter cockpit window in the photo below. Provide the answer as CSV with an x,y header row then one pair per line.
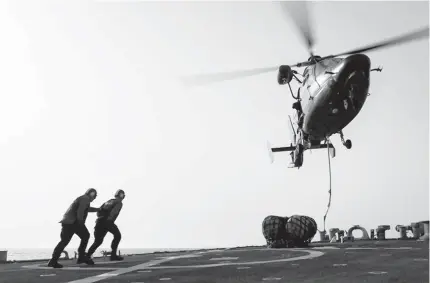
x,y
326,65
320,67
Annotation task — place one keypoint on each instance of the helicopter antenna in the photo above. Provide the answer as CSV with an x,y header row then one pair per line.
x,y
293,130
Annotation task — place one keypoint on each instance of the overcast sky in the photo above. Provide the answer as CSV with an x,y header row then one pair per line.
x,y
90,98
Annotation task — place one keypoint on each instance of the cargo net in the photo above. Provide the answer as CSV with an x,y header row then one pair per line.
x,y
289,232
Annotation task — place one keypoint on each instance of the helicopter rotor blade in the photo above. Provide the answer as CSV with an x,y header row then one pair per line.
x,y
299,13
205,79
415,35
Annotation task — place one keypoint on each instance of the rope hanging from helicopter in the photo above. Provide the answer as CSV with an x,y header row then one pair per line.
x,y
329,174
329,191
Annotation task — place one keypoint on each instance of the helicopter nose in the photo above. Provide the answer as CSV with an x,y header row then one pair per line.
x,y
357,62
352,64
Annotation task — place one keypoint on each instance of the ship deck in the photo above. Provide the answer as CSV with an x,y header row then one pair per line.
x,y
359,261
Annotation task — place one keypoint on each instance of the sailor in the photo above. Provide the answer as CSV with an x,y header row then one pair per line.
x,y
300,117
105,222
297,156
73,222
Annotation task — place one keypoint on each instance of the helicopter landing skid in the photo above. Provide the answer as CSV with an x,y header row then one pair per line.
x,y
346,143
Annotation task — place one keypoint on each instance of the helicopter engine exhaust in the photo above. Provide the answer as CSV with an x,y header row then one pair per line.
x,y
285,75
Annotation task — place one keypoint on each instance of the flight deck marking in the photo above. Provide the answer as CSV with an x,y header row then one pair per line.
x,y
224,258
311,254
107,275
363,248
402,248
198,254
339,264
37,266
377,272
120,271
150,265
326,248
95,268
109,262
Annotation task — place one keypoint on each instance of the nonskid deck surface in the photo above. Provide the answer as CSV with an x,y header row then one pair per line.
x,y
360,261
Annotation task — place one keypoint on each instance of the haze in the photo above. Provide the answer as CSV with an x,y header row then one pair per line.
x,y
90,98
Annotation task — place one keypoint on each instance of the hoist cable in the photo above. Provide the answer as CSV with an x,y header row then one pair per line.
x,y
329,174
329,192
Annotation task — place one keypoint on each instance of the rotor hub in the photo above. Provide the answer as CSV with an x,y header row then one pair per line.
x,y
314,58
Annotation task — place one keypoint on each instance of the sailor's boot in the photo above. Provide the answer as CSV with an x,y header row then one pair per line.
x,y
115,257
54,264
83,258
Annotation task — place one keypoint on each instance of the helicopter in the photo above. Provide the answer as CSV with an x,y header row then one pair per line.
x,y
332,89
